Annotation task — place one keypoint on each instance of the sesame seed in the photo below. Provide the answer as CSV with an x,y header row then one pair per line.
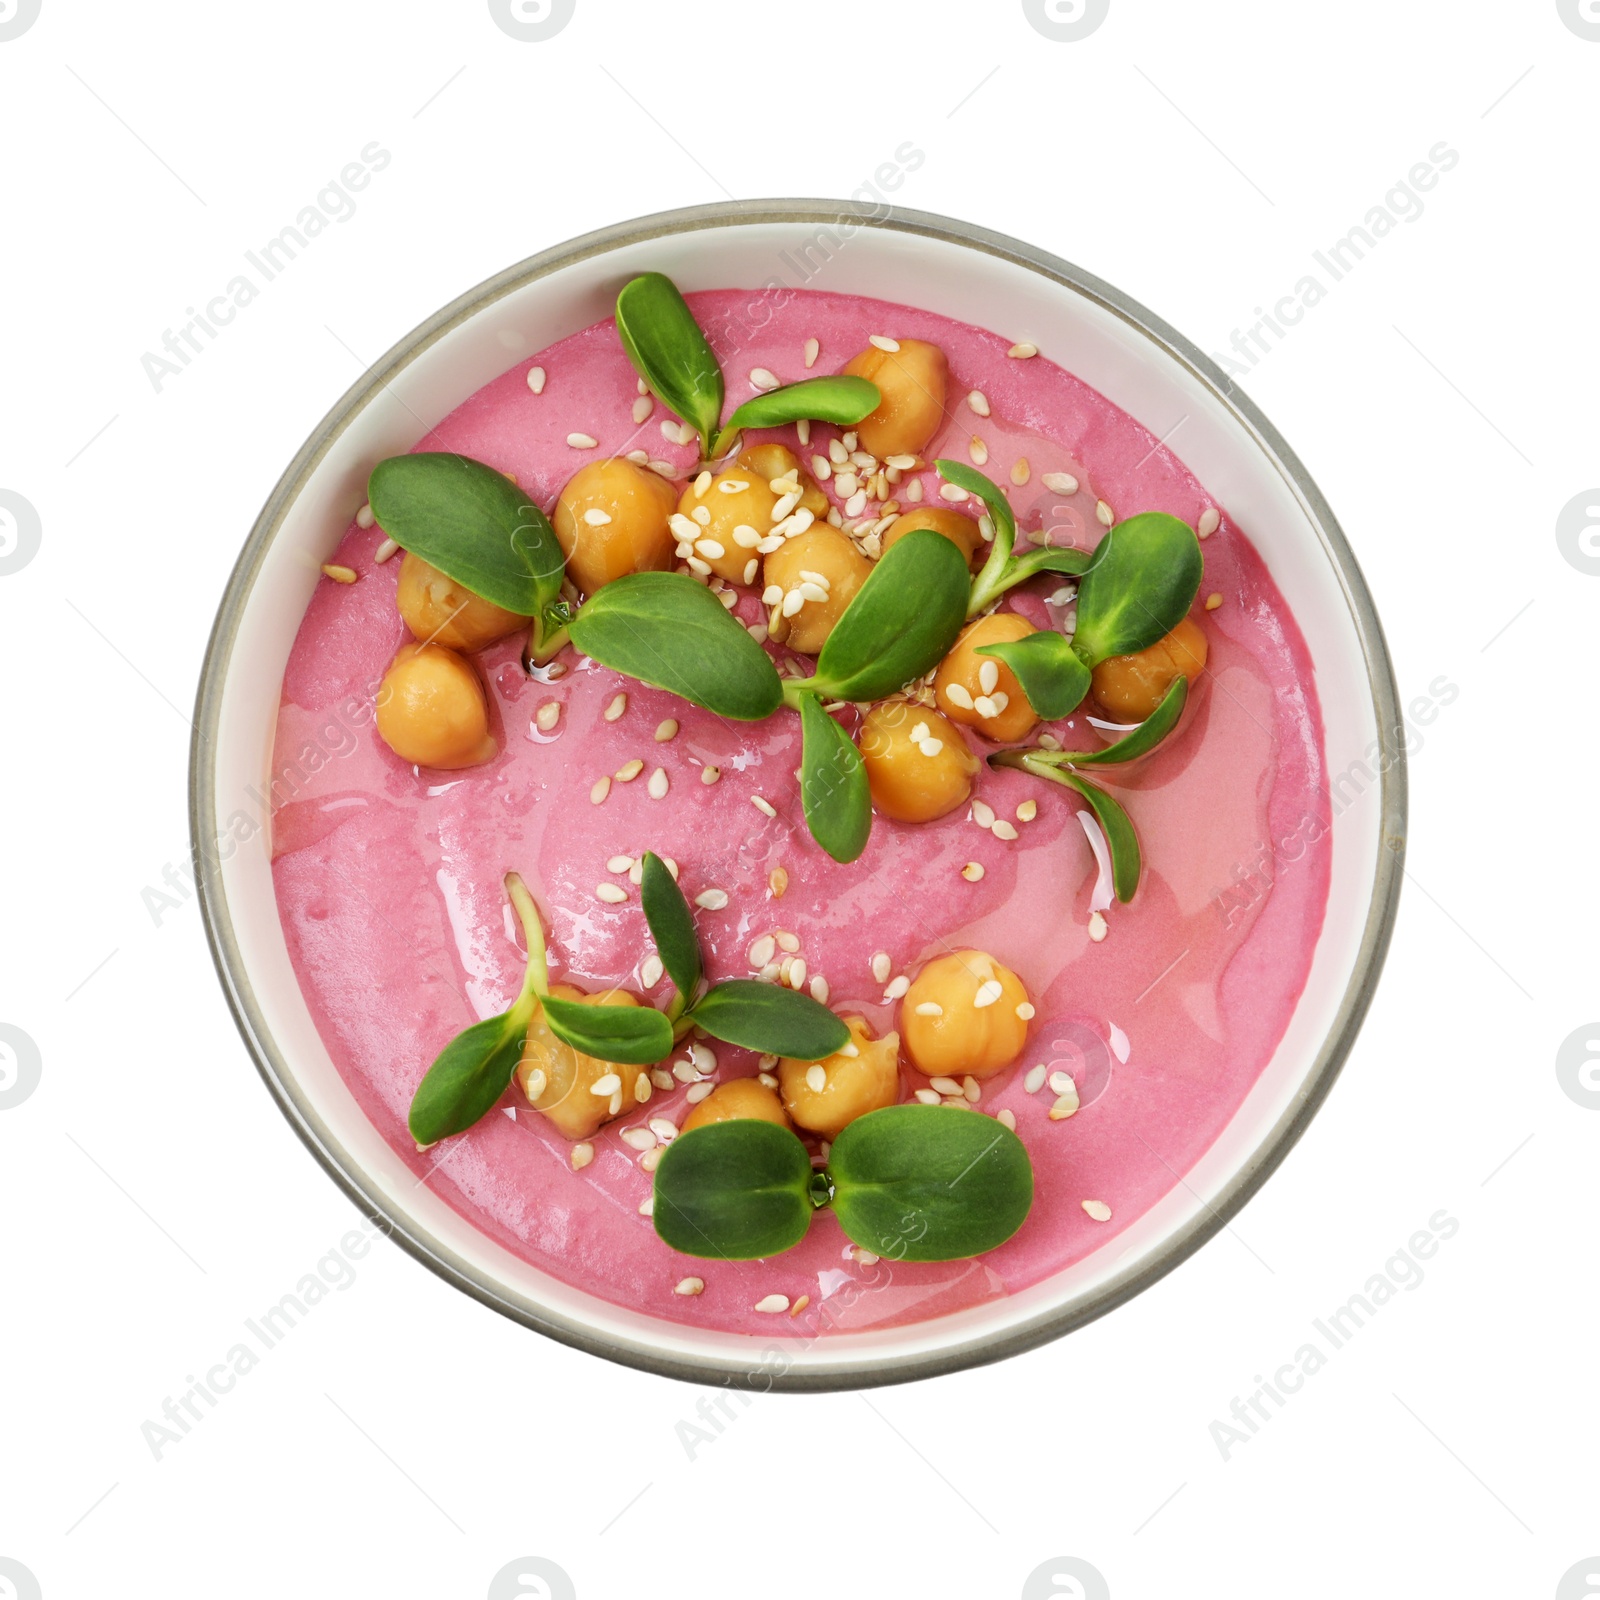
x,y
733,486
647,1206
814,591
339,574
702,515
596,518
535,1086
772,595
638,1138
664,1128
897,987
760,378
709,775
979,402
619,863
881,967
1210,521
985,706
850,1050
930,747
1023,351
1006,1118
609,1084
972,872
746,537
651,973
662,469
629,770
971,1090
914,490
802,430
657,786
765,807
927,1097
944,1085
536,379
690,1286
695,564
773,1302
777,882
837,453
704,1058
930,1008
1065,1106
548,715
712,899
385,551
952,491
1213,601
698,1092
958,695
636,873
816,1079
640,458
666,730
582,441
612,893
1104,512
989,679
684,1071
669,430
1004,830
884,342
1097,926
1020,470
659,1076
982,814
582,1155
1027,811
365,517
797,973
989,991
1034,1081
978,450
1027,1011
642,407
1097,1209
601,789
762,951
1061,482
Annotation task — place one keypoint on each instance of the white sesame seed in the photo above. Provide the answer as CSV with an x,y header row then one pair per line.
x,y
765,807
663,469
972,872
619,863
709,775
884,342
636,874
979,402
536,379
1213,601
1020,471
657,786
989,991
664,1128
684,1071
642,407
365,517
629,770
548,715
773,1302
659,1076
1210,521
762,951
601,789
1097,926
952,491
385,551
733,486
927,1097
702,515
989,679
690,1286
944,1085
582,441
1065,1106
816,1079
914,490
1097,1209
1023,351
536,1084
704,1058
958,695
777,882
1027,811
1034,1081
1062,1083
856,504
609,1084
971,1090
978,450
881,967
1104,512
1061,482
698,1092
897,988
339,574
640,458
814,591
647,1206
596,518
797,973
638,1138
1006,1118
712,899
695,564
612,893
760,378
985,706
1027,1011
930,747
746,537
772,595
1004,830
651,972
666,730
669,430
582,1155
930,1008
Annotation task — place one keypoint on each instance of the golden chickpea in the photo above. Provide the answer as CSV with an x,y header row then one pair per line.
x,y
431,709
918,764
999,711
820,558
960,530
1129,688
912,381
772,461
965,1016
730,519
560,1081
739,1099
826,1096
633,537
438,610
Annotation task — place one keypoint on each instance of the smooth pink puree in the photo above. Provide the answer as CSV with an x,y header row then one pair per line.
x,y
389,880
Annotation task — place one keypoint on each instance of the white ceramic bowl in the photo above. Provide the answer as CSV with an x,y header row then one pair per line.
x,y
1130,356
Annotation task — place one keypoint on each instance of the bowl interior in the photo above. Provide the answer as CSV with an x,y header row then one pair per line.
x,y
1084,325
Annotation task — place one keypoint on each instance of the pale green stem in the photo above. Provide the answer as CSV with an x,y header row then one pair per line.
x,y
536,981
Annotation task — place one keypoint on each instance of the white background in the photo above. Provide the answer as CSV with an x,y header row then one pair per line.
x,y
404,1439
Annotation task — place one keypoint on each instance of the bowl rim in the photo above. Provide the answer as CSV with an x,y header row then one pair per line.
x,y
877,1369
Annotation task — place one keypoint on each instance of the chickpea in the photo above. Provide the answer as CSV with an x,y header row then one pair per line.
x,y
960,530
962,1038
739,1099
908,782
559,1081
852,1085
438,610
635,537
958,686
820,552
431,709
1129,688
779,461
911,380
731,517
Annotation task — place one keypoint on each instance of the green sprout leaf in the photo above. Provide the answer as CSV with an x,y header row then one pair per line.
x,y
774,1020
842,399
472,523
1144,738
1050,558
1055,767
671,925
474,1069
670,353
634,1036
833,784
1053,678
1139,587
929,1183
734,1191
901,623
665,629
